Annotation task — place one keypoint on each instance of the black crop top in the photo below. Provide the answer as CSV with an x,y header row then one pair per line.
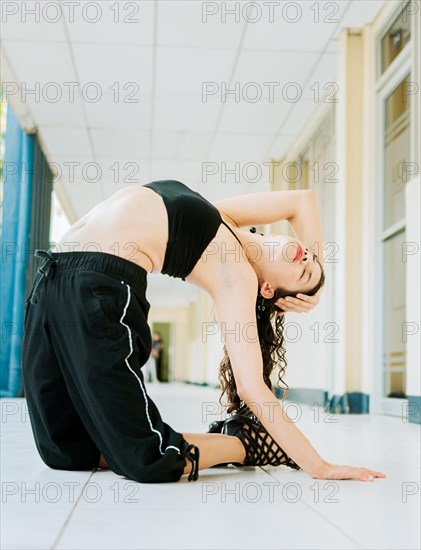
x,y
192,223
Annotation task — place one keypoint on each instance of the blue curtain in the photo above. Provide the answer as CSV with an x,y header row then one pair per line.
x,y
16,223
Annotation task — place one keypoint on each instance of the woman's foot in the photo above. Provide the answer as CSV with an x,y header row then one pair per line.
x,y
102,463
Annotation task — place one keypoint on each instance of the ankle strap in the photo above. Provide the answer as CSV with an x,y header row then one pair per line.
x,y
192,453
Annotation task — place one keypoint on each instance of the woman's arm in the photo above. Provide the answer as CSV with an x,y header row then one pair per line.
x,y
298,207
238,328
234,304
262,208
306,225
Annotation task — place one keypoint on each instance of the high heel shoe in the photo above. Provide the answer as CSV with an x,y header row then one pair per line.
x,y
261,449
191,452
215,427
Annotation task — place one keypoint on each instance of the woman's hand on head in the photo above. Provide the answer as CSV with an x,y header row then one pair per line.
x,y
300,304
335,471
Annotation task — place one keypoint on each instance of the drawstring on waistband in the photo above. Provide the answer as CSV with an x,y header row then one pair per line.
x,y
46,270
194,459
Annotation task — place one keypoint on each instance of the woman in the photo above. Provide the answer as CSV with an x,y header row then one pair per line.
x,y
87,337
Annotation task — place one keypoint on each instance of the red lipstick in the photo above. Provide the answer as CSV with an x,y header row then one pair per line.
x,y
299,254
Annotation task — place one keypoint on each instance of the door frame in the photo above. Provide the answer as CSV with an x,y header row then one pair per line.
x,y
385,84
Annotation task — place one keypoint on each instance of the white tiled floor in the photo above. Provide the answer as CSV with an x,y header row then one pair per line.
x,y
226,508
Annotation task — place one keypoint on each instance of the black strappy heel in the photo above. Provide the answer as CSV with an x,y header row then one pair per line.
x,y
261,448
192,453
215,427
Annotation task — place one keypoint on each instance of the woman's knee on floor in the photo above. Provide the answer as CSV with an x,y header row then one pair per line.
x,y
145,476
169,468
66,461
165,470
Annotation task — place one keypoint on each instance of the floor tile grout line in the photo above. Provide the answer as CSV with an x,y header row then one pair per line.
x,y
326,518
66,523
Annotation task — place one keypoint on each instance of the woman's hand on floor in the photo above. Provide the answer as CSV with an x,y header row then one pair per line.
x,y
301,304
335,471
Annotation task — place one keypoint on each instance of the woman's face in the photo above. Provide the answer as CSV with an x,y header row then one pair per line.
x,y
290,265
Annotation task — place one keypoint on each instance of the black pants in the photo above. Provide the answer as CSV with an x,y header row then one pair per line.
x,y
86,338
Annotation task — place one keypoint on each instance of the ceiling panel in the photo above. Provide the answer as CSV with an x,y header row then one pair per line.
x,y
120,143
260,117
112,173
314,22
279,146
32,21
290,127
240,147
167,170
198,25
180,146
185,113
165,145
107,64
320,79
111,22
39,62
189,172
221,185
106,112
62,113
66,142
282,69
181,71
195,146
300,114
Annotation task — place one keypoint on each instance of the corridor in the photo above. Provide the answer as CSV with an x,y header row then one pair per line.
x,y
232,508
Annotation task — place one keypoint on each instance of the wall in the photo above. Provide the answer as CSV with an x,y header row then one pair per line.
x,y
349,129
413,295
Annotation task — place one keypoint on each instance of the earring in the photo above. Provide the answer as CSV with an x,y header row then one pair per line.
x,y
261,307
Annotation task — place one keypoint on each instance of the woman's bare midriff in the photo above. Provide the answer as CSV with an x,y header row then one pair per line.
x,y
131,224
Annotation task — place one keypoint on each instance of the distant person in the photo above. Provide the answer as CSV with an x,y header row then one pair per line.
x,y
150,368
157,351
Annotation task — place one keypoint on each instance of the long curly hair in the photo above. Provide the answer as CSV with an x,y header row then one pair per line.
x,y
271,339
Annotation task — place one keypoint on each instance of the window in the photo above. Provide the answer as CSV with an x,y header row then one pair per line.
x,y
396,37
396,151
395,106
394,306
